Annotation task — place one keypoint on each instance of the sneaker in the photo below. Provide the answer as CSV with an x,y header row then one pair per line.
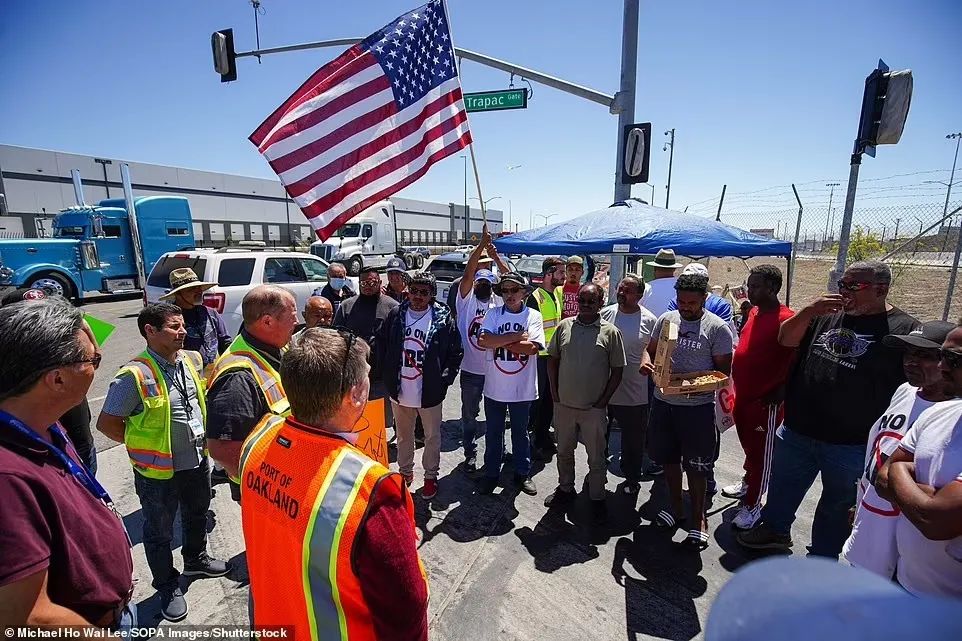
x,y
430,489
525,484
173,605
735,490
653,470
746,517
204,565
599,511
471,463
762,537
631,487
559,498
487,485
218,475
711,489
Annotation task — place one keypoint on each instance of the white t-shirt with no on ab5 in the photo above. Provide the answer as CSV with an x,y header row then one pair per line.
x,y
510,377
926,566
471,312
416,326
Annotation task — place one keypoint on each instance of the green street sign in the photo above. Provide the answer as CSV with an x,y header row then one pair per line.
x,y
496,100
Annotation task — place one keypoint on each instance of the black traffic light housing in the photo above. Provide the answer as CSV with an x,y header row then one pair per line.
x,y
225,60
635,153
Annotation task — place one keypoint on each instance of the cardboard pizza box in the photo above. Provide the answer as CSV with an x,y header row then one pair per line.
x,y
672,384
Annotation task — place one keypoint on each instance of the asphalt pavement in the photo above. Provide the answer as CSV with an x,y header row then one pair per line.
x,y
500,566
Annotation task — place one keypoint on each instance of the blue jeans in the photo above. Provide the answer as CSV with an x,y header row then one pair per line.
x,y
495,412
796,462
472,389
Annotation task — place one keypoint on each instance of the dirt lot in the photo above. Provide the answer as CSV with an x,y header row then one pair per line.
x,y
918,290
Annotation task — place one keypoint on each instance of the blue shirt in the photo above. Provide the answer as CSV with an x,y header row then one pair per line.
x,y
714,304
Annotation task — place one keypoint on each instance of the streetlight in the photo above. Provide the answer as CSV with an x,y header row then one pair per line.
x,y
669,143
546,217
958,245
467,213
485,204
829,212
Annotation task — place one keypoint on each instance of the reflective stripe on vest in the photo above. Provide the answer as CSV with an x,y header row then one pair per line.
x,y
550,315
240,355
147,435
304,499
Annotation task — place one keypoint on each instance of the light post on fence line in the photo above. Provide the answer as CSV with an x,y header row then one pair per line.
x,y
671,157
921,227
958,243
831,193
895,237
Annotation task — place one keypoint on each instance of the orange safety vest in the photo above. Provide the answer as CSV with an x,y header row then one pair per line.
x,y
304,497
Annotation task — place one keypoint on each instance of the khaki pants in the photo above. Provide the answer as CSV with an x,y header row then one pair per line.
x,y
593,423
404,418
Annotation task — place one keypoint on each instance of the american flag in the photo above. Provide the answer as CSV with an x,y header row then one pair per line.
x,y
370,122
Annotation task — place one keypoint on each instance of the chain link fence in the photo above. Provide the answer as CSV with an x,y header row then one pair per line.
x,y
917,241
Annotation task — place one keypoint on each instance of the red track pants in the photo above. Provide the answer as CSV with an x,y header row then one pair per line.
x,y
756,423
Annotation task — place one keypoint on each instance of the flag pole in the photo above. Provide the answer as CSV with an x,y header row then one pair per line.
x,y
477,180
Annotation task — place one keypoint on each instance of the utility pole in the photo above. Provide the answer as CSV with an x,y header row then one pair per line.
x,y
958,243
625,103
897,221
671,156
828,213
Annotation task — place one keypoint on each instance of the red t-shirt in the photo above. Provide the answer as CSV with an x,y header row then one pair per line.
x,y
570,301
49,521
760,364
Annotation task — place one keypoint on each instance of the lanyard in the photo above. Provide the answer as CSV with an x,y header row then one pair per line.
x,y
59,450
179,380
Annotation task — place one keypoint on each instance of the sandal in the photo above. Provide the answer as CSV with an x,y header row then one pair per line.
x,y
697,539
666,519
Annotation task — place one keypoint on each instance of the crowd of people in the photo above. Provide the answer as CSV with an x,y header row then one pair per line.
x,y
849,388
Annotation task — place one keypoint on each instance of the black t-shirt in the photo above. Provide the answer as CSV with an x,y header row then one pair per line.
x,y
76,422
844,377
364,315
235,403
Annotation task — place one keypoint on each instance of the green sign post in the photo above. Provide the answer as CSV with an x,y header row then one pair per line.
x,y
496,100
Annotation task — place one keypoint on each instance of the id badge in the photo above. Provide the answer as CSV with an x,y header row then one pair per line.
x,y
196,428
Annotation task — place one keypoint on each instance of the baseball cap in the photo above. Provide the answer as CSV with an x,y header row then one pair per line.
x,y
930,336
396,265
695,268
511,277
22,294
575,260
485,274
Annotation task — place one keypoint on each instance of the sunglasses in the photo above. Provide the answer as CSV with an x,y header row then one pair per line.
x,y
853,286
94,360
419,291
508,291
952,359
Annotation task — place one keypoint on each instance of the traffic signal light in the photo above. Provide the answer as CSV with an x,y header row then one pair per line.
x,y
225,60
885,108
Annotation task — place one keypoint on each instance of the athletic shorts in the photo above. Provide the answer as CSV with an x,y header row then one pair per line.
x,y
683,434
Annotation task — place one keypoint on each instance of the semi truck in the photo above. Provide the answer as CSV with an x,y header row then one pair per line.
x,y
369,239
99,248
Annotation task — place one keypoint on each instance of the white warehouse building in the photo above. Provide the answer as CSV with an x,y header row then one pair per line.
x,y
35,184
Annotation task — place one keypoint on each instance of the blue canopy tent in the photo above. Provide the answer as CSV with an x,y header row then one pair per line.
x,y
633,227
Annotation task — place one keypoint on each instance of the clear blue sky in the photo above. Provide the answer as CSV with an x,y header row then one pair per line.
x,y
761,93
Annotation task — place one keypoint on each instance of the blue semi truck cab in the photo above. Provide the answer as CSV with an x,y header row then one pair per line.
x,y
92,249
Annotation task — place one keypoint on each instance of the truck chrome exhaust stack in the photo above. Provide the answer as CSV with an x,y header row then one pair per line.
x,y
134,227
78,188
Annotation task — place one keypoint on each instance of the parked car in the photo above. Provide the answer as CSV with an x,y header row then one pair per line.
x,y
530,268
237,270
423,252
449,267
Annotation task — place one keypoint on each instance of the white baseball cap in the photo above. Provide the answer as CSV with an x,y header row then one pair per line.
x,y
695,268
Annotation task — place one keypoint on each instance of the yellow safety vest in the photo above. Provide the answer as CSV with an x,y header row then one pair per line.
x,y
147,435
241,355
550,308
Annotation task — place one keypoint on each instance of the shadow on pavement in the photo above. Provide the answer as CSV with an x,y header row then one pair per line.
x,y
660,602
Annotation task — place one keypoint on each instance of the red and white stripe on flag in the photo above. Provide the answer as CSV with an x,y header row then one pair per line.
x,y
370,122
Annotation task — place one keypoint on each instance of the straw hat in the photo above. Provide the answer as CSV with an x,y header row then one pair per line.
x,y
184,278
